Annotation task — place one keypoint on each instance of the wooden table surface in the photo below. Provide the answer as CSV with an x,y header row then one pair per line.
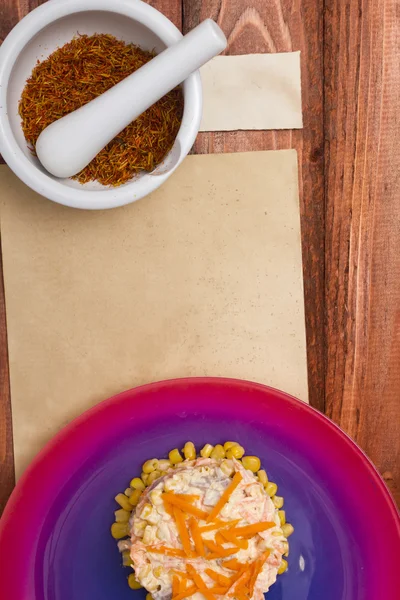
x,y
349,194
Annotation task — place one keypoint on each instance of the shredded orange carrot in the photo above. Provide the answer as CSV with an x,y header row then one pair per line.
x,y
197,539
239,583
185,506
238,574
188,592
182,585
229,536
219,578
183,532
169,509
213,574
187,497
185,581
165,550
233,564
196,577
175,585
256,570
222,553
212,546
200,583
250,530
208,594
225,497
179,573
218,524
231,523
211,527
219,590
220,539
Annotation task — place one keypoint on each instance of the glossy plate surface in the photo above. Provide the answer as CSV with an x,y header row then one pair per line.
x,y
54,536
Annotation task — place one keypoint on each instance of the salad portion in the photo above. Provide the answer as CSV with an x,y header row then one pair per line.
x,y
208,526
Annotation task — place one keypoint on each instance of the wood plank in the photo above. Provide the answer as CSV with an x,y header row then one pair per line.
x,y
12,11
171,8
284,25
362,79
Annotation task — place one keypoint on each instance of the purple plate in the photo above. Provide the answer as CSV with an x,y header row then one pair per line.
x,y
55,542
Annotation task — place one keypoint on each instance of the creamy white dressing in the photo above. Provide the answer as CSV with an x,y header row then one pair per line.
x,y
151,525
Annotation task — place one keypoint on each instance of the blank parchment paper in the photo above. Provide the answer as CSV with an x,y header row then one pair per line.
x,y
203,277
252,91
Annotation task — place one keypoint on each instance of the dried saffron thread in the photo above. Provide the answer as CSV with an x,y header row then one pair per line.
x,y
77,73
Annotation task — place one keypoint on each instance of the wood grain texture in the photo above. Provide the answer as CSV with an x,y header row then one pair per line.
x,y
12,11
171,8
362,90
281,26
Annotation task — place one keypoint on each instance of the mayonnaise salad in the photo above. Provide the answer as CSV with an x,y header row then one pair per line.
x,y
206,528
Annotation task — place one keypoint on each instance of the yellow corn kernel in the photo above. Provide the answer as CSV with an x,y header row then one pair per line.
x,y
149,596
146,511
135,497
262,477
287,529
139,527
150,465
158,571
252,463
126,558
205,452
283,567
218,452
122,516
285,548
277,533
153,517
123,501
153,476
277,501
155,497
164,464
235,451
227,467
119,530
228,445
148,534
144,477
137,484
271,489
282,516
189,451
133,582
175,456
170,485
128,492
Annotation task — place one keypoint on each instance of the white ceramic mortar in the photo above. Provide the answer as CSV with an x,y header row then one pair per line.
x,y
52,25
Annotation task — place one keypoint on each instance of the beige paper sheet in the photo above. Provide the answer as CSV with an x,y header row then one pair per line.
x,y
202,278
252,91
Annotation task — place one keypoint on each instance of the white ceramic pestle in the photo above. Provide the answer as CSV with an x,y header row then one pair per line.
x,y
69,144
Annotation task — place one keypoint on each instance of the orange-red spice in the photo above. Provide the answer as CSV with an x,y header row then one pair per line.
x,y
77,73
